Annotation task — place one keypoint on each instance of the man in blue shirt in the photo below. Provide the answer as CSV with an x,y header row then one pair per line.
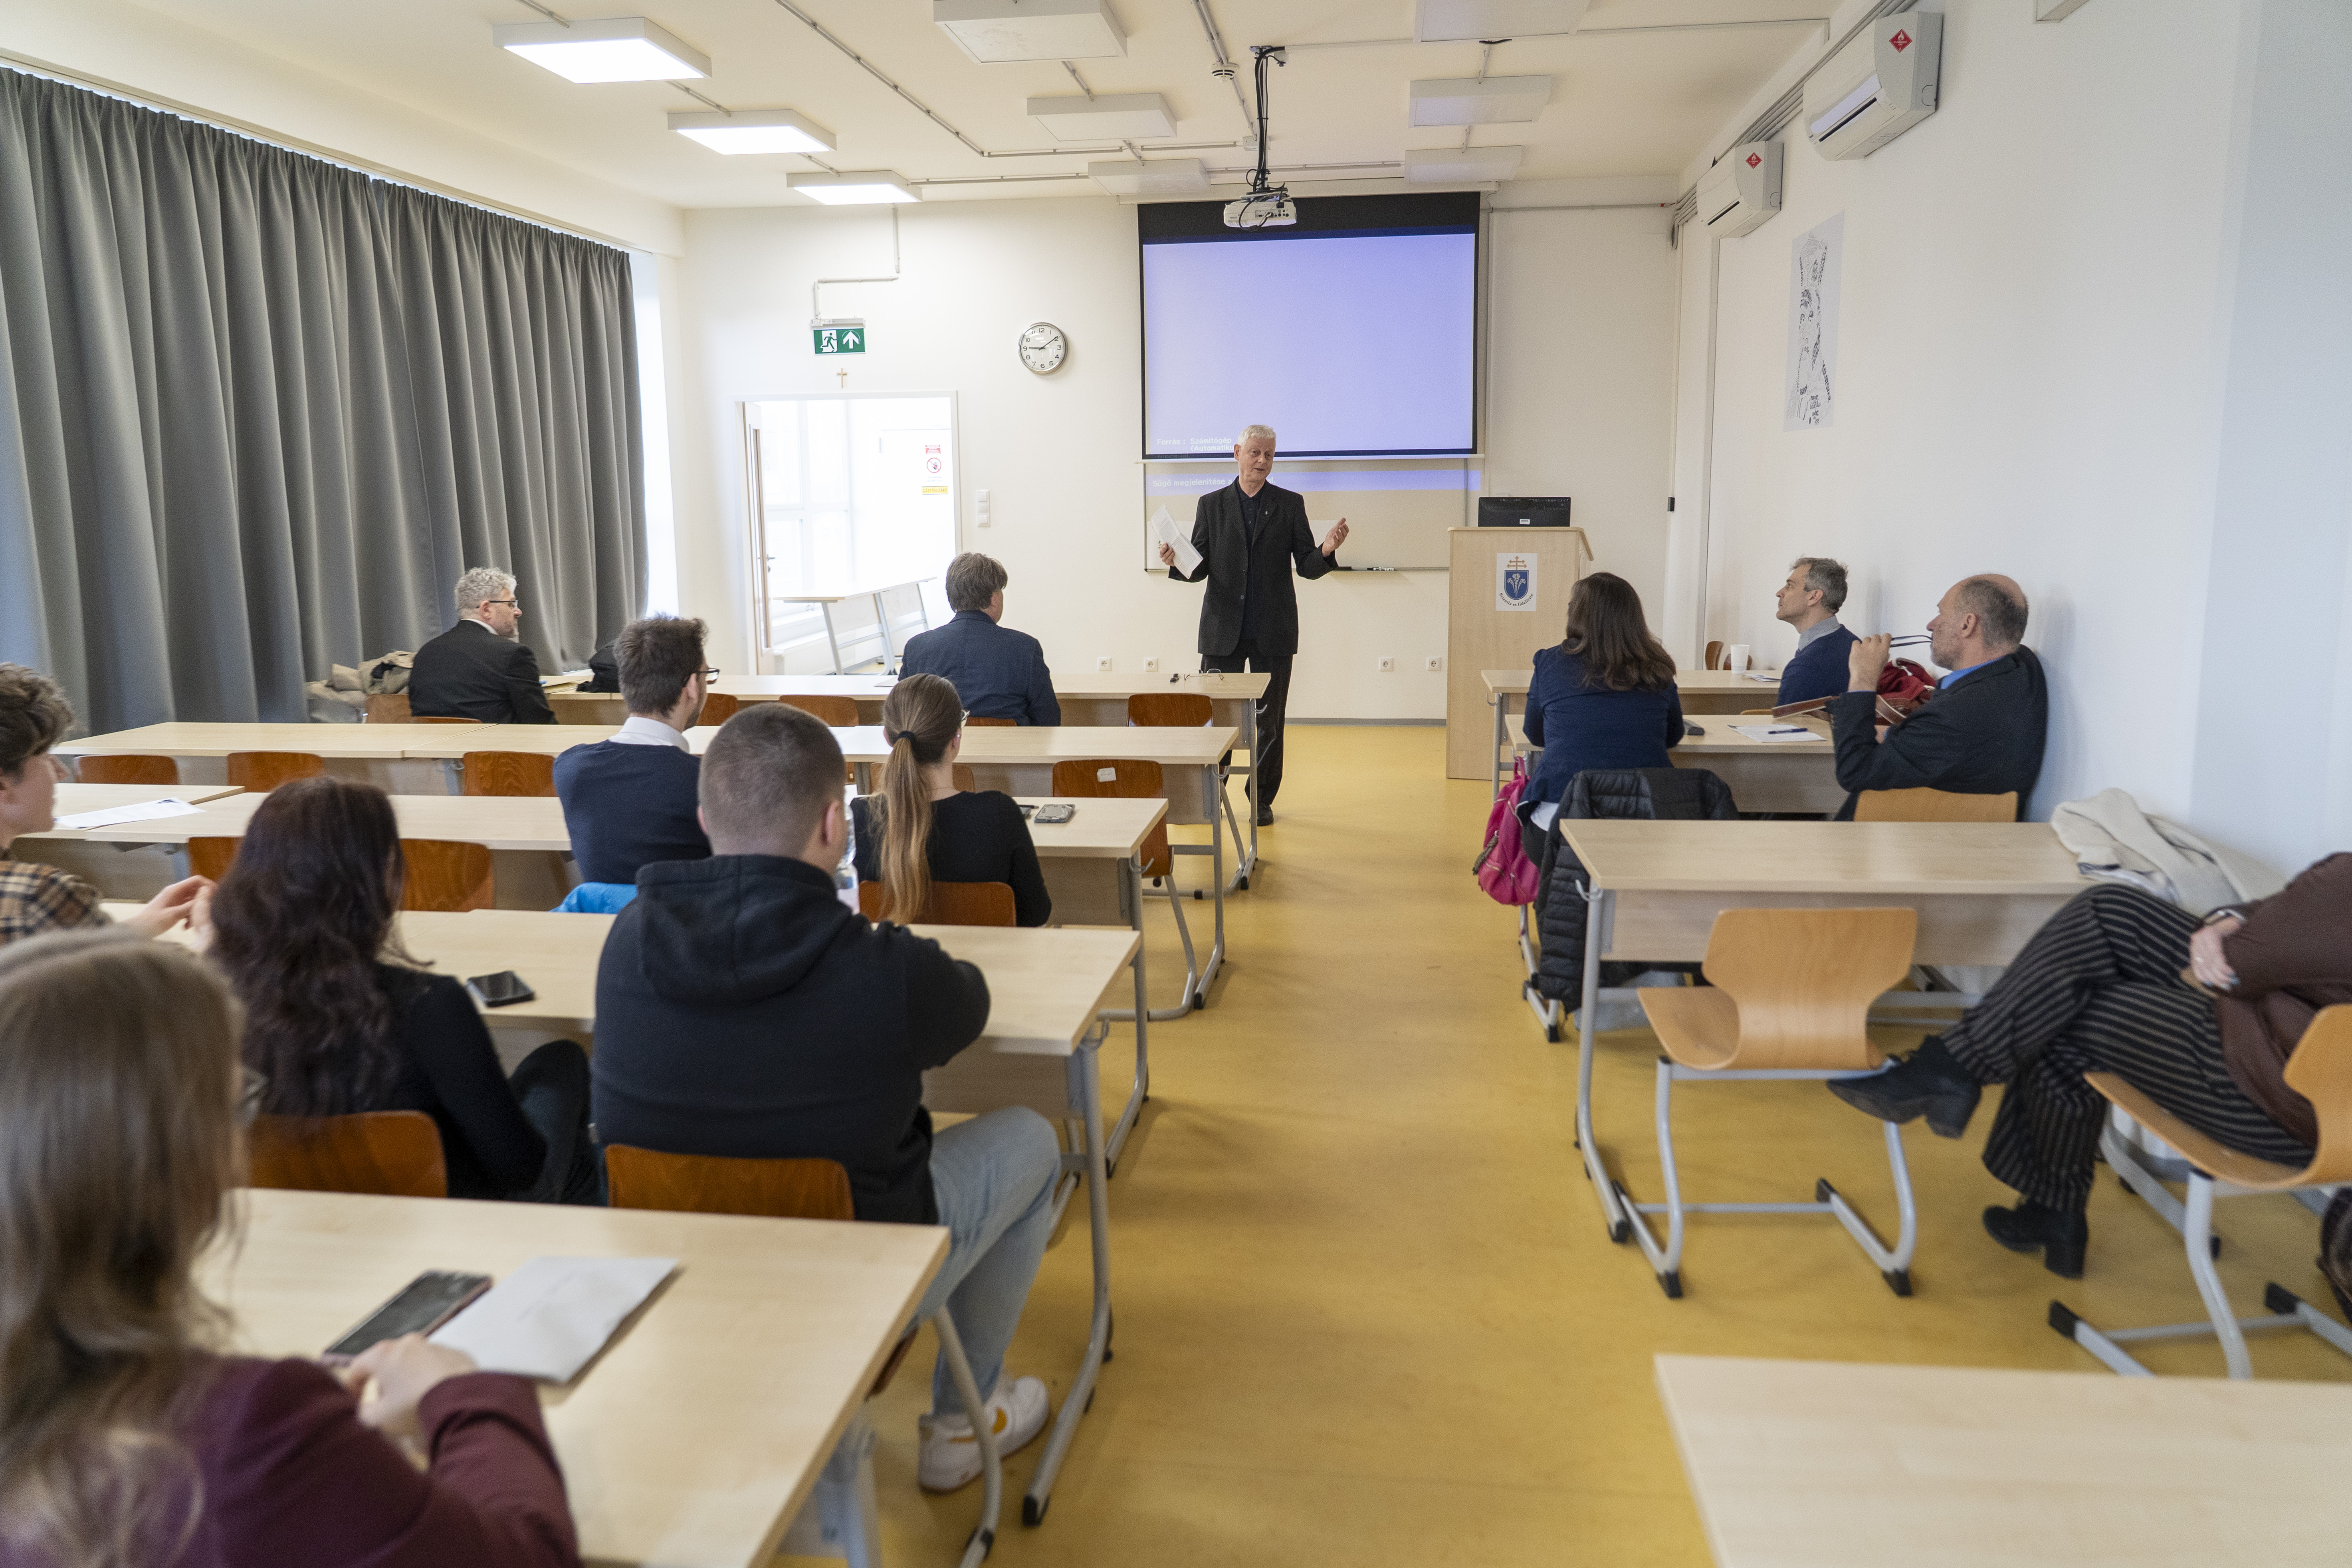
x,y
631,800
999,673
1809,601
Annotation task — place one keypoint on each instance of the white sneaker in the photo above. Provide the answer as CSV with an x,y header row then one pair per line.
x,y
950,1452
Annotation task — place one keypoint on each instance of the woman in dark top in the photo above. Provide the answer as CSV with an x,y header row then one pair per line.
x,y
338,1019
922,829
1606,697
126,1439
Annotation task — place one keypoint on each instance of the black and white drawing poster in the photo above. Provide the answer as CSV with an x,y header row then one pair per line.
x,y
1813,325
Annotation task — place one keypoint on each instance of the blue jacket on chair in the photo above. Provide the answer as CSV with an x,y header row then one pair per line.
x,y
999,673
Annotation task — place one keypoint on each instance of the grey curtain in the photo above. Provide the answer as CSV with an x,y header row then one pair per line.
x,y
258,412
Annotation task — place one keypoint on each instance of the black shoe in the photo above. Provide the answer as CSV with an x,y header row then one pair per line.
x,y
1930,1080
1266,817
2061,1236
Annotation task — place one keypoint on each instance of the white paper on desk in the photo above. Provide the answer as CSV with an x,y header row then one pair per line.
x,y
145,810
1776,734
1765,677
550,1316
1165,530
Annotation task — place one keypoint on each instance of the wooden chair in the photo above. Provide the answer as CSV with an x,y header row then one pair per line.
x,y
2321,1072
991,724
1715,657
836,712
717,708
396,1154
965,779
127,770
818,1190
1107,778
531,773
262,771
447,876
952,904
419,719
389,708
1789,999
212,857
1934,806
1188,711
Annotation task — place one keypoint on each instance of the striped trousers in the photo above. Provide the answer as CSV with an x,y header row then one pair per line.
x,y
2098,989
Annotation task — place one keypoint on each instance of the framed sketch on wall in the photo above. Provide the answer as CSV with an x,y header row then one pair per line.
x,y
1814,258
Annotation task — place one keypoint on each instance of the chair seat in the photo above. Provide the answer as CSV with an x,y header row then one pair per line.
x,y
2214,1159
1698,1025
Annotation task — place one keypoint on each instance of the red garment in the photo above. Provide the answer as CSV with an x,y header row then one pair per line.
x,y
2293,957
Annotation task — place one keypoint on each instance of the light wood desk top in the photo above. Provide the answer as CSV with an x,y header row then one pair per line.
x,y
1720,737
76,798
193,740
1821,1465
1208,683
1515,683
1102,829
1043,985
1038,745
1859,858
694,1439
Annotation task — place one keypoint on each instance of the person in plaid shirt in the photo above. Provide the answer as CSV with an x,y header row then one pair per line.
x,y
34,898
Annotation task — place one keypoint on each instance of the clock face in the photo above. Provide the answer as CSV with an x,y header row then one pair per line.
x,y
1042,347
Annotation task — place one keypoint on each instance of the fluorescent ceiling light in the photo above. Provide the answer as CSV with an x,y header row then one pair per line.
x,y
1845,109
753,130
1456,21
853,187
617,48
1461,166
1155,177
995,31
1467,100
1106,117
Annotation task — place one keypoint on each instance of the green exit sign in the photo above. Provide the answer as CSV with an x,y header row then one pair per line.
x,y
839,340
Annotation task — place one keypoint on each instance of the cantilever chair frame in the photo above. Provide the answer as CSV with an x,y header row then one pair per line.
x,y
1780,1033
1143,709
2321,1070
1079,782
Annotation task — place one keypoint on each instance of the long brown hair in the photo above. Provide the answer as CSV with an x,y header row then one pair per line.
x,y
300,923
1607,630
118,1144
920,719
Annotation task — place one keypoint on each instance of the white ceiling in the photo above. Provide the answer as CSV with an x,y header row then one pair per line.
x,y
1640,101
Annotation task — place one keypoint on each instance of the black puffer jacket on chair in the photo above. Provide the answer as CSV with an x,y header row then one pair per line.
x,y
1639,793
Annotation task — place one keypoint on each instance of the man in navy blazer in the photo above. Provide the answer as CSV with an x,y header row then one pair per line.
x,y
1809,601
1250,534
999,673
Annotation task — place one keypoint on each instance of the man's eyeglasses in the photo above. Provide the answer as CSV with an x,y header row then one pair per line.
x,y
512,603
708,673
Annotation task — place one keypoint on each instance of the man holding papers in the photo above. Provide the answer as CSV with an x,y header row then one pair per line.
x,y
1245,538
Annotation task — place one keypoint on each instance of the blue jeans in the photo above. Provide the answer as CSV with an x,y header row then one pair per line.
x,y
994,1177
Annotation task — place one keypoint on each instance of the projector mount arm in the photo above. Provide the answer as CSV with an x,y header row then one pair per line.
x,y
1263,53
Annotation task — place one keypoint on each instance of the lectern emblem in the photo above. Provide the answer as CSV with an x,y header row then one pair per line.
x,y
1515,582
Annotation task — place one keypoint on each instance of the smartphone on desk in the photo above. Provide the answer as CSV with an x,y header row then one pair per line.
x,y
503,989
1058,810
422,1305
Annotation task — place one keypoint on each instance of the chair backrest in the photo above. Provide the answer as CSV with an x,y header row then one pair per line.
x,y
1933,805
952,904
262,771
965,779
389,708
1715,657
509,773
1169,709
396,1153
2320,1070
127,770
447,876
717,708
991,723
712,1183
420,719
1804,981
836,712
1158,859
212,857
1100,778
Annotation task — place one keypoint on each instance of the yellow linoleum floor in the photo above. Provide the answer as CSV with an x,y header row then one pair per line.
x,y
1367,1313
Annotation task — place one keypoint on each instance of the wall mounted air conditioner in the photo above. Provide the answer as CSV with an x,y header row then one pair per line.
x,y
1877,87
1740,191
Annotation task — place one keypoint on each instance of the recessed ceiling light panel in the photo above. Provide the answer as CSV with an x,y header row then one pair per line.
x,y
1461,166
1458,21
1106,117
753,130
617,48
1150,177
1467,100
996,31
853,187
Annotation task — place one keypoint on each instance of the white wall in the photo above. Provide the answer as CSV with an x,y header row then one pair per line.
x,y
1578,404
2035,352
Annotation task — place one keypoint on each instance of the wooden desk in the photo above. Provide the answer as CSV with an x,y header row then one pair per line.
x,y
693,1441
400,759
1981,889
1722,691
1803,780
73,799
1824,1465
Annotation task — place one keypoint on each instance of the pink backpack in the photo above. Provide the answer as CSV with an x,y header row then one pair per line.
x,y
1503,868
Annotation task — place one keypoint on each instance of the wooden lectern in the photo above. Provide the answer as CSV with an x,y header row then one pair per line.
x,y
1508,597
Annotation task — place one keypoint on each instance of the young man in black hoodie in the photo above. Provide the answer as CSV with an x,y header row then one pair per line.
x,y
742,1010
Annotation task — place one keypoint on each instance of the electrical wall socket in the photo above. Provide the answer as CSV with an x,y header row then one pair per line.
x,y
1102,665
1388,666
1433,664
980,508
1151,667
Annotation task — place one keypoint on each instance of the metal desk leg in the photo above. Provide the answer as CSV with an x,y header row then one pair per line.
x,y
1085,1081
1600,906
1131,892
831,640
1210,790
882,625
1245,862
1502,732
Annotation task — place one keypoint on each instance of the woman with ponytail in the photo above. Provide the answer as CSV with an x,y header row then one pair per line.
x,y
921,828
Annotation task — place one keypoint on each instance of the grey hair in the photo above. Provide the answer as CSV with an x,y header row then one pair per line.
x,y
2000,615
1826,574
972,581
1255,432
481,585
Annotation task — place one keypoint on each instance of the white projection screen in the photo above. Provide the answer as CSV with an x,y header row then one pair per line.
x,y
1352,333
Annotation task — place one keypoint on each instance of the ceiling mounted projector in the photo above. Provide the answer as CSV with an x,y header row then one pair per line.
x,y
752,130
1877,87
616,48
1150,177
1267,205
1740,190
1105,117
1460,165
1470,101
1480,21
995,32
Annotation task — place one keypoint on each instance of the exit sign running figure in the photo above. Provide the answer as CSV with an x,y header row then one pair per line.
x,y
839,340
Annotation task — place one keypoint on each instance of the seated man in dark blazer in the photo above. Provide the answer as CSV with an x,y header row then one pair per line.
x,y
1809,601
999,673
632,800
1981,732
479,668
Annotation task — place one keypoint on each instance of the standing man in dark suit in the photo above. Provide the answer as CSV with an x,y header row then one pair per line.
x,y
1249,535
479,668
998,672
1983,730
